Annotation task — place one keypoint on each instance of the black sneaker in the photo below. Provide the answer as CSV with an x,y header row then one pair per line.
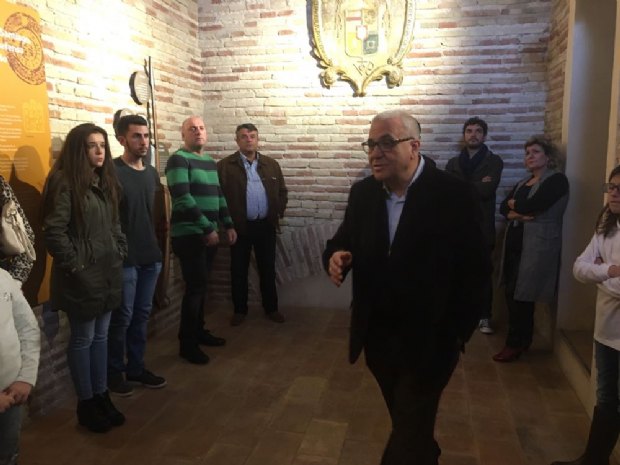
x,y
118,386
148,380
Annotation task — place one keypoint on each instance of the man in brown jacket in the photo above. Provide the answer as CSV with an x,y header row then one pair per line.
x,y
256,195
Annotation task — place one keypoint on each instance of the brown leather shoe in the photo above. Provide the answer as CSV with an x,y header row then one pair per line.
x,y
237,319
276,316
193,354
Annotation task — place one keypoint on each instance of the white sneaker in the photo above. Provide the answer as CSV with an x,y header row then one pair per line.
x,y
485,326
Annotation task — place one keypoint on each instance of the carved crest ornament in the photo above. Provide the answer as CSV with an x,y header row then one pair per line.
x,y
360,41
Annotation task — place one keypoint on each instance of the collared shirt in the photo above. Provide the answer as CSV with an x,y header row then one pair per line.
x,y
395,204
256,197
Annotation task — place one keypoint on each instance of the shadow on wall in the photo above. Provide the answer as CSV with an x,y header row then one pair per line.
x,y
29,197
302,282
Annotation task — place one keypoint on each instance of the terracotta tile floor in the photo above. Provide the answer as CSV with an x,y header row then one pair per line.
x,y
286,395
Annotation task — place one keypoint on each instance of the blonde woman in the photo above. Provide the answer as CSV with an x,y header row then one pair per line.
x,y
531,256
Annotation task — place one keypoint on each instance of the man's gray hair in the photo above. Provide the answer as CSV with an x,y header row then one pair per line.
x,y
410,124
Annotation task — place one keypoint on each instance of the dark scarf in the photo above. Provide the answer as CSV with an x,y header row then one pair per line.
x,y
469,165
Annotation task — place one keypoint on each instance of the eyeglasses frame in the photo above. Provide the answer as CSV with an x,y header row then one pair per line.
x,y
369,145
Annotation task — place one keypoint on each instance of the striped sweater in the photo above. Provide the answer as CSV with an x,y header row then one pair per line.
x,y
198,204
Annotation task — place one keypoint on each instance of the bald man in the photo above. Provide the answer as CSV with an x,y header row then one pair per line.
x,y
198,210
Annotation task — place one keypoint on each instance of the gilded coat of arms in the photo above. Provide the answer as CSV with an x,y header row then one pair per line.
x,y
360,41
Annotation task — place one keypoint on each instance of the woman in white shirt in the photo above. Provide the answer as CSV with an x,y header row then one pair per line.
x,y
600,263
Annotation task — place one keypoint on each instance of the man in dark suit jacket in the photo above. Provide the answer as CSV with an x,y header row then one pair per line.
x,y
412,238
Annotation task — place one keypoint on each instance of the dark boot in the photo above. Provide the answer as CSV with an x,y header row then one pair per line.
x,y
193,354
106,406
602,440
90,415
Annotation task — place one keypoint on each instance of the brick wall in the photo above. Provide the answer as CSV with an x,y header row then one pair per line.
x,y
468,59
236,61
92,47
556,63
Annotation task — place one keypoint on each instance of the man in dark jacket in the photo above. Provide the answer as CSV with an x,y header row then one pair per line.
x,y
480,167
256,195
412,239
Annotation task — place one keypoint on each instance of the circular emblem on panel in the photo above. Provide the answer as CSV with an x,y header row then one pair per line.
x,y
25,54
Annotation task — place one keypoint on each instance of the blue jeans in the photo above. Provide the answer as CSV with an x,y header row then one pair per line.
x,y
607,380
129,322
10,425
87,355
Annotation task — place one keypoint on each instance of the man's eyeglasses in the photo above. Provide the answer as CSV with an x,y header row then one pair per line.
x,y
609,187
385,145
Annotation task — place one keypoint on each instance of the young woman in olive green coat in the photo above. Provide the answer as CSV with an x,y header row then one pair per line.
x,y
84,238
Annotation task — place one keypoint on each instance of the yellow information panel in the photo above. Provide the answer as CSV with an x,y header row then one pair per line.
x,y
25,141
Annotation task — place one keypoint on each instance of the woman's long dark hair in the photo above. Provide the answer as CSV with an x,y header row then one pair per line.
x,y
607,221
76,168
